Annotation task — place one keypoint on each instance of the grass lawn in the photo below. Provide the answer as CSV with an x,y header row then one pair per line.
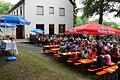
x,y
33,67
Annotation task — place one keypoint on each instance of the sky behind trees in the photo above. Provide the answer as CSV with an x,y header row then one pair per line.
x,y
11,1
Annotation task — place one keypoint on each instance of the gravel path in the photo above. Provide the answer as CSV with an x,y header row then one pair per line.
x,y
29,47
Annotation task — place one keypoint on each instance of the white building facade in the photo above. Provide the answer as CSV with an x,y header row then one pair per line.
x,y
52,16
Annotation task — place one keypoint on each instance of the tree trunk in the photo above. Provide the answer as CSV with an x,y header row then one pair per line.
x,y
74,12
101,11
101,18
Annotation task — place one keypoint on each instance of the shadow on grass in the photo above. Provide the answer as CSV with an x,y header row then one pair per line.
x,y
3,61
80,69
3,58
37,45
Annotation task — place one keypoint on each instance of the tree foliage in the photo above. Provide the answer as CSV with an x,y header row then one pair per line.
x,y
100,7
4,7
81,21
116,8
111,24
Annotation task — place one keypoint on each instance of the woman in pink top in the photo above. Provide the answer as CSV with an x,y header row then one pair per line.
x,y
107,58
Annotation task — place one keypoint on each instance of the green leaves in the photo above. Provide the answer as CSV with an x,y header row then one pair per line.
x,y
4,7
100,7
81,21
111,24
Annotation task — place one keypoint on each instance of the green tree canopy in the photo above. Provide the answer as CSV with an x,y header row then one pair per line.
x,y
100,7
111,24
81,21
4,7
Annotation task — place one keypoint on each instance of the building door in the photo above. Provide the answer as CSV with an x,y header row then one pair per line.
x,y
51,29
40,26
61,28
19,32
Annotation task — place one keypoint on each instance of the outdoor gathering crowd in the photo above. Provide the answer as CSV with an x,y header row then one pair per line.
x,y
100,47
89,47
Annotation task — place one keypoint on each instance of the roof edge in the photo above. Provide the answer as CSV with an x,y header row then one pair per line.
x,y
16,5
71,1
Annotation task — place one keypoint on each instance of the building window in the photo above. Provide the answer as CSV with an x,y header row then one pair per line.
x,y
51,29
51,10
40,10
20,10
61,28
61,11
40,26
17,12
14,12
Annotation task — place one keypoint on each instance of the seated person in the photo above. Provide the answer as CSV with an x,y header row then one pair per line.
x,y
89,49
7,37
74,57
100,60
11,38
62,48
115,50
107,58
77,47
84,54
58,42
68,47
73,46
51,43
93,53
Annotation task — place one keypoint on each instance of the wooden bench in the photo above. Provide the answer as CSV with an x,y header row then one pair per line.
x,y
57,55
76,64
101,73
96,69
50,51
69,61
112,64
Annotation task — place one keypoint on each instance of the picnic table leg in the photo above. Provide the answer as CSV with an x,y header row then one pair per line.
x,y
116,76
108,77
2,51
102,77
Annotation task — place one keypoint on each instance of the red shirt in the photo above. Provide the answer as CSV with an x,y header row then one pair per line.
x,y
52,43
93,54
59,42
74,57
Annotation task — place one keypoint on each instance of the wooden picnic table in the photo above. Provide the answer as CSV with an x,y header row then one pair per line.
x,y
86,61
55,49
111,69
50,46
68,53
